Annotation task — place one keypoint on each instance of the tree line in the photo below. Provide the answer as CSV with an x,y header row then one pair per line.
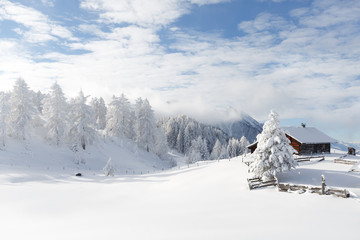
x,y
79,122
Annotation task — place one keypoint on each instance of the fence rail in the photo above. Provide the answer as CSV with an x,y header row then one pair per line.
x,y
343,161
286,187
303,159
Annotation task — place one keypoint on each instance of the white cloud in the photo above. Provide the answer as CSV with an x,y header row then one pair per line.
x,y
48,3
143,12
140,12
38,27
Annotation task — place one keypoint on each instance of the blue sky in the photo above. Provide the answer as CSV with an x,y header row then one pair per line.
x,y
210,59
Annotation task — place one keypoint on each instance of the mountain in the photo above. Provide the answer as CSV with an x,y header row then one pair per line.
x,y
245,126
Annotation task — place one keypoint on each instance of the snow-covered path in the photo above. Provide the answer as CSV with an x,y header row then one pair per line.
x,y
207,202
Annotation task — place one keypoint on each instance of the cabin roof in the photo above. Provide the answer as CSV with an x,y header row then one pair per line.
x,y
308,135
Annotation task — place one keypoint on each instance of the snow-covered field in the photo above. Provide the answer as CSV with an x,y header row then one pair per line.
x,y
206,201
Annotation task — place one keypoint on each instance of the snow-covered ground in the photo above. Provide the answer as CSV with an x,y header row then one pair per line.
x,y
209,200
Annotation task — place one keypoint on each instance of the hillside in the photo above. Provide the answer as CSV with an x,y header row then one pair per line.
x,y
42,159
209,201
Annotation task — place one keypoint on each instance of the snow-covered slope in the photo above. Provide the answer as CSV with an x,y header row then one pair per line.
x,y
246,126
343,146
37,156
209,201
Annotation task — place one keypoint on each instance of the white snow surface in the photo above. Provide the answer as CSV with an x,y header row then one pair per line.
x,y
207,200
308,135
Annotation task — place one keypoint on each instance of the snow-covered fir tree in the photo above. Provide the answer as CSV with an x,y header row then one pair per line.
x,y
100,110
55,111
119,122
22,110
161,147
4,112
145,127
82,132
224,153
273,153
37,98
198,150
217,150
191,132
233,148
243,145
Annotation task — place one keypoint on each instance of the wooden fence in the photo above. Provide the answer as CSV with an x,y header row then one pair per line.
x,y
286,187
343,161
258,183
303,159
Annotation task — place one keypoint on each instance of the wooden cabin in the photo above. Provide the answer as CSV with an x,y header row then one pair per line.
x,y
305,140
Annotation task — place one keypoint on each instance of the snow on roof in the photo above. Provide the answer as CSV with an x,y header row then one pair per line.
x,y
308,135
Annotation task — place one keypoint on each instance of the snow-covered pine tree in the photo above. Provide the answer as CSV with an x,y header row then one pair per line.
x,y
216,151
233,148
109,169
224,153
145,126
273,153
204,151
198,150
180,142
191,132
55,111
243,145
37,98
127,118
161,147
194,154
22,110
100,110
82,132
4,112
119,122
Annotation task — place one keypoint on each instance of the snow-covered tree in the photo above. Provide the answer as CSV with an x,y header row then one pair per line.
x,y
161,147
82,132
216,151
224,153
109,169
37,98
273,153
119,118
22,110
55,111
233,147
191,132
100,110
198,150
145,127
4,112
243,145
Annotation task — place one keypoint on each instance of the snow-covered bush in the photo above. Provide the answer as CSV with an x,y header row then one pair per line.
x,y
273,153
109,169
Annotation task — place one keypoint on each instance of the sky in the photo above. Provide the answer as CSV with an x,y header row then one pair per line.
x,y
209,59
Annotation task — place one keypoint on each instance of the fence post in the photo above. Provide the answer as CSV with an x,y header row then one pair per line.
x,y
323,184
